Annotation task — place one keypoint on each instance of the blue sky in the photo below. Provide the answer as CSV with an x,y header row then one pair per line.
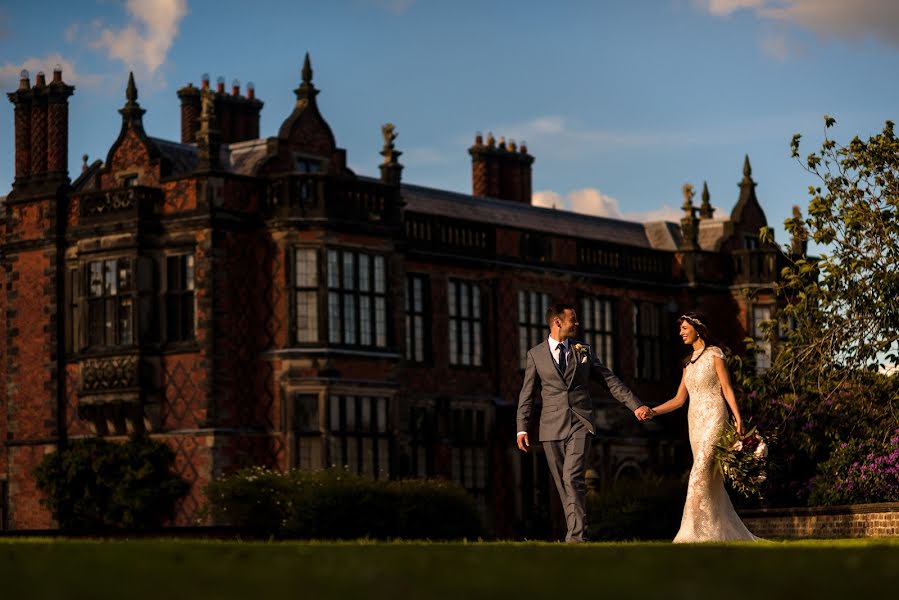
x,y
620,102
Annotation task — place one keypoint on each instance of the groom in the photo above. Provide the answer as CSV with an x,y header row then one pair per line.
x,y
563,370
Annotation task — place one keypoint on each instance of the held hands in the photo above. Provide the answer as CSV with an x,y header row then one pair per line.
x,y
644,413
523,444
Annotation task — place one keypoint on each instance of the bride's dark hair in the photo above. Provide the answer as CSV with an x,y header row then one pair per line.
x,y
698,322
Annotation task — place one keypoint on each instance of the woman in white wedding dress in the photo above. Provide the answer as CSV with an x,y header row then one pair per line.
x,y
709,515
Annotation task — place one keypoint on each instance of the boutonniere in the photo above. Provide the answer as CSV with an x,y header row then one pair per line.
x,y
583,351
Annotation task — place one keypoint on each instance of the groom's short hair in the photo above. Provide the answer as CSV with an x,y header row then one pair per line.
x,y
556,311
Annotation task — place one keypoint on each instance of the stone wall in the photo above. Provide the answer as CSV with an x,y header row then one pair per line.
x,y
859,520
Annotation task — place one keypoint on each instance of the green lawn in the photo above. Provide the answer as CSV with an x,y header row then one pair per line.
x,y
167,569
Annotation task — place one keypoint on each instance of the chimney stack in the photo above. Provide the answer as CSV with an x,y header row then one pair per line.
x,y
41,127
501,171
237,116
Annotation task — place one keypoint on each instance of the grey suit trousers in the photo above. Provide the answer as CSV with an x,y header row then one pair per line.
x,y
567,459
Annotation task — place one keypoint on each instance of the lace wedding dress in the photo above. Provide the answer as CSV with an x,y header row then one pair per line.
x,y
709,515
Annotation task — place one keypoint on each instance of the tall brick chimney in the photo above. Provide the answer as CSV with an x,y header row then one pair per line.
x,y
237,116
21,100
58,126
500,170
42,128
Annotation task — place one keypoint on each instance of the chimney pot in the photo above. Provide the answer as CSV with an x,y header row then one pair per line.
x,y
251,90
24,84
235,88
220,84
39,80
57,74
478,139
524,147
204,81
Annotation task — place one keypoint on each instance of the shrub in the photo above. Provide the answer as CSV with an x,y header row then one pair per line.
x,y
859,471
96,485
649,508
336,504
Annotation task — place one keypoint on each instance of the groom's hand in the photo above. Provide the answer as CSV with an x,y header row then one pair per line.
x,y
523,444
644,413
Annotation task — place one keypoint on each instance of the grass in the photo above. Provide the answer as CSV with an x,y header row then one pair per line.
x,y
174,569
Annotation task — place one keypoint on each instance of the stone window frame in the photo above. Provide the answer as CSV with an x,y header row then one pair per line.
x,y
297,287
532,327
418,318
470,447
466,323
84,341
648,343
762,359
603,338
364,292
166,293
349,436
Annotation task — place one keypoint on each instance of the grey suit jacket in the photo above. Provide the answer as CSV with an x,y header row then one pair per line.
x,y
559,394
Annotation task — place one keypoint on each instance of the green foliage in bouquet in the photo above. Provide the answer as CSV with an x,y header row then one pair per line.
x,y
96,485
742,459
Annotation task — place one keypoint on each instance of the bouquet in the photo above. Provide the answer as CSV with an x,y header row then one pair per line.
x,y
742,459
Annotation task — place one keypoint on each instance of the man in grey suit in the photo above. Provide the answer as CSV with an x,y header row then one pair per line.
x,y
563,370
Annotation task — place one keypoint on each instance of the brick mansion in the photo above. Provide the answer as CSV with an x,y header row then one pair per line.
x,y
252,301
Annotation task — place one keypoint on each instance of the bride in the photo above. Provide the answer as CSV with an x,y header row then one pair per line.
x,y
709,515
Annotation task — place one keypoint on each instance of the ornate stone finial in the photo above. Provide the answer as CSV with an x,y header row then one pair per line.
x,y
689,222
131,111
131,91
705,209
84,163
306,93
389,152
307,69
391,169
747,168
687,191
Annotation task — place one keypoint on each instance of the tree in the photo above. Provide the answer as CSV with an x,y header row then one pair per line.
x,y
838,325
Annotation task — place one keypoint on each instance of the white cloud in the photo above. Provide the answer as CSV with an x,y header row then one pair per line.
x,y
591,201
145,41
9,72
722,8
71,33
852,20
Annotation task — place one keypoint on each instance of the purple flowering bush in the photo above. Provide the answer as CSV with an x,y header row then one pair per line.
x,y
815,437
859,471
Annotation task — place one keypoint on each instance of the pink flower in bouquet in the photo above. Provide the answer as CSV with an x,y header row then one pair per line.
x,y
761,451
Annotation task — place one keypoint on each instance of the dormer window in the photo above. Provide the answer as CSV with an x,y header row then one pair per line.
x,y
308,165
129,181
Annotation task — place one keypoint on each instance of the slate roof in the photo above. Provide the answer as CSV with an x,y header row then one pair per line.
x,y
431,201
181,157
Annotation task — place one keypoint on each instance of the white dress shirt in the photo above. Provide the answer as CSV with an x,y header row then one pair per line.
x,y
554,347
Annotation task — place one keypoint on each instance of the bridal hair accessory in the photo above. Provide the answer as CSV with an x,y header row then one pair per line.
x,y
692,320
